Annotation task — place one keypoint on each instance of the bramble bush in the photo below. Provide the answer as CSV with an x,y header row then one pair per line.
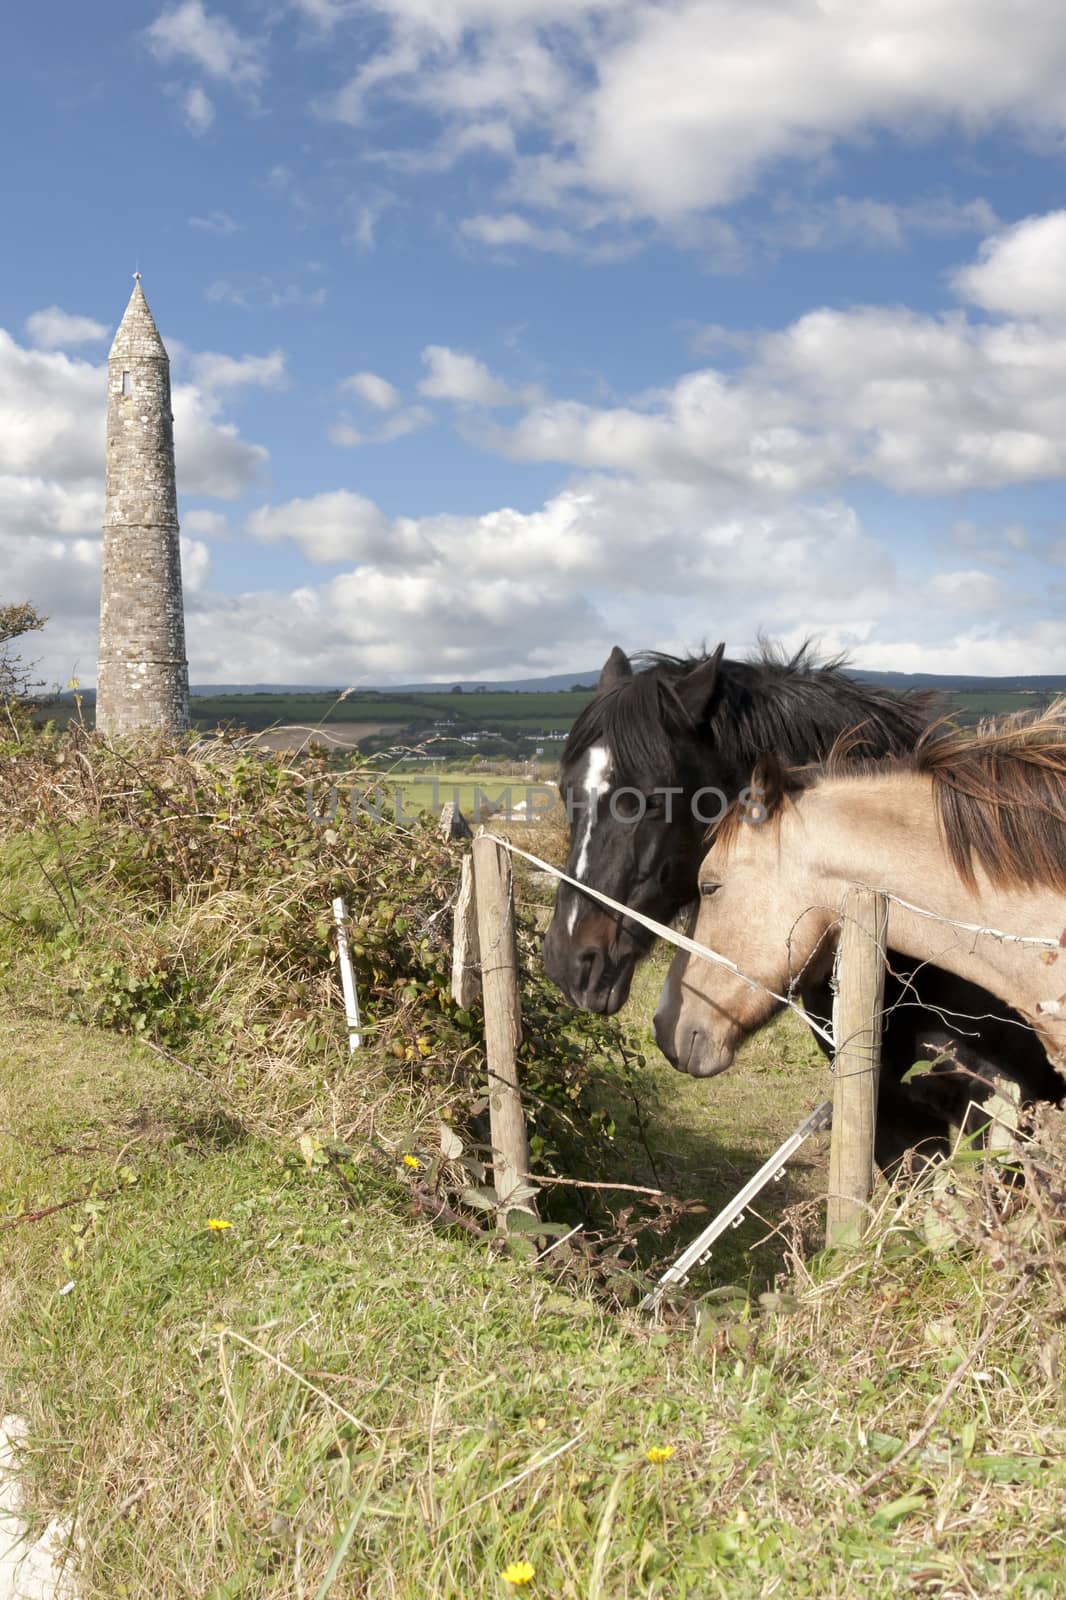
x,y
184,895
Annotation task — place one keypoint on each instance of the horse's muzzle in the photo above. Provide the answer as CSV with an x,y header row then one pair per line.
x,y
594,965
689,1050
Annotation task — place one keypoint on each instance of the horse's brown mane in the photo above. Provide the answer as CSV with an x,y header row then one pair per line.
x,y
1001,796
999,789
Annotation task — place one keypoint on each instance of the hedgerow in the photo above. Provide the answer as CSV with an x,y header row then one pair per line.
x,y
184,895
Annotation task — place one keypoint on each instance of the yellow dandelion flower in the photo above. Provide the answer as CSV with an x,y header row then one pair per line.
x,y
216,1224
412,1162
519,1573
659,1453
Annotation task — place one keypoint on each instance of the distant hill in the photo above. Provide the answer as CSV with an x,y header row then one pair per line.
x,y
1047,683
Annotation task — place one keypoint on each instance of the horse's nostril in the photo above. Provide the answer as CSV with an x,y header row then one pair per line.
x,y
586,960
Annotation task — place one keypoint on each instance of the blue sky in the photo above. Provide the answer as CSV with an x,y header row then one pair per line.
x,y
502,331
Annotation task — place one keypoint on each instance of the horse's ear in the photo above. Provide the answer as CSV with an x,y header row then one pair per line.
x,y
771,783
698,688
615,668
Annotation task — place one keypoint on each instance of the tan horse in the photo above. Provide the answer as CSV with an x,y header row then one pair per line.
x,y
971,828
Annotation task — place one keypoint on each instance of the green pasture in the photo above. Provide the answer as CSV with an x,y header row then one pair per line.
x,y
468,712
991,703
329,1398
491,791
269,1345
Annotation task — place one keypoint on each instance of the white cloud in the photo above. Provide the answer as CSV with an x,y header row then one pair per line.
x,y
325,14
377,392
455,375
400,423
507,228
212,458
210,524
810,224
213,371
188,33
52,450
665,110
507,231
195,565
658,544
970,589
38,507
605,559
337,526
199,109
53,328
346,435
919,403
650,562
52,414
1021,271
219,222
264,293
349,435
1000,649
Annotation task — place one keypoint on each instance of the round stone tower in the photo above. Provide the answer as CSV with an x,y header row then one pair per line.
x,y
143,678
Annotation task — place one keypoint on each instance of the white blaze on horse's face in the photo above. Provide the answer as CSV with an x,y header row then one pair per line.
x,y
595,783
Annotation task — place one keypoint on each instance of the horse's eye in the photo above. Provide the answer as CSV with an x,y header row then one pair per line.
x,y
707,889
654,805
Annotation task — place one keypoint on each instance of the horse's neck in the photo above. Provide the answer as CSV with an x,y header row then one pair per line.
x,y
883,833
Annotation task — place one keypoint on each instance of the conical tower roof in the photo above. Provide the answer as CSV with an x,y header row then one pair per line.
x,y
137,338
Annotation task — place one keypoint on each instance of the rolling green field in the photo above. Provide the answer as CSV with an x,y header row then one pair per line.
x,y
520,716
990,703
504,713
467,712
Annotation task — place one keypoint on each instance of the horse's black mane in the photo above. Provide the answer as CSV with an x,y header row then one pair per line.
x,y
793,706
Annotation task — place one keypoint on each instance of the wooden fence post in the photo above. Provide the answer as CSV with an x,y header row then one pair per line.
x,y
494,892
857,1013
466,957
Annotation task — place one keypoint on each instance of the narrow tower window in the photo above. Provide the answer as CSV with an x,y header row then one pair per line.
x,y
127,383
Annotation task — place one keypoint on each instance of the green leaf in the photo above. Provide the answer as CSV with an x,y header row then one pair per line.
x,y
521,1192
565,1305
1009,1469
523,1222
783,1304
887,1516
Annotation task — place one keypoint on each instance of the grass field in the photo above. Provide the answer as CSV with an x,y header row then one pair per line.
x,y
463,712
330,1399
328,1396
